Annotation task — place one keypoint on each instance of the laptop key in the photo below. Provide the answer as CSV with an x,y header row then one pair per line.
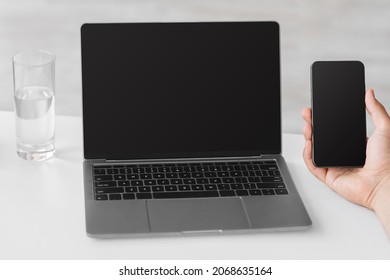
x,y
120,177
184,188
172,195
242,193
269,167
255,192
138,170
276,179
236,186
189,169
241,180
281,191
132,177
215,168
189,181
171,175
115,196
261,173
270,185
228,180
236,174
227,168
136,183
202,181
211,187
104,184
197,174
131,189
177,169
150,182
101,197
202,168
251,173
223,174
158,189
227,193
210,174
249,186
185,175
268,192
103,178
223,187
128,196
163,182
171,188
205,194
215,180
99,171
144,196
144,189
240,167
274,173
176,181
197,188
252,167
193,194
103,166
123,183
109,190
163,169
145,176
253,179
159,176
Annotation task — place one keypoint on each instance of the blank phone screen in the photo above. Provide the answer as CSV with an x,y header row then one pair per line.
x,y
338,112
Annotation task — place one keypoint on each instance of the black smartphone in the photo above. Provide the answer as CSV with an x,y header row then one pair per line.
x,y
338,114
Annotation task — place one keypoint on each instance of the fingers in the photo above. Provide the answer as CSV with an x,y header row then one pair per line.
x,y
306,115
377,111
307,132
320,173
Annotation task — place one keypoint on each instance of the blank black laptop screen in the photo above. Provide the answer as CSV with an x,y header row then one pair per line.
x,y
167,90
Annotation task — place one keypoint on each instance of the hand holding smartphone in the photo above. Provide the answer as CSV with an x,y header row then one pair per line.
x,y
338,114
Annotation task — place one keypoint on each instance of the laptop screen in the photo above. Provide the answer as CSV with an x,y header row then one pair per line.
x,y
173,90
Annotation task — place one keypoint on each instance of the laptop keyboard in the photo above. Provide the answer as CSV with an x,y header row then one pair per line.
x,y
187,180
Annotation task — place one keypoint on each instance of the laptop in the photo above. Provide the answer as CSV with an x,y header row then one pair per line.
x,y
182,130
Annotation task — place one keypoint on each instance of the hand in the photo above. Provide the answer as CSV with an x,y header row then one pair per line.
x,y
368,186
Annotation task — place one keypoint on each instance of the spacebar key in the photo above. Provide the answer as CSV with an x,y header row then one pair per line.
x,y
185,194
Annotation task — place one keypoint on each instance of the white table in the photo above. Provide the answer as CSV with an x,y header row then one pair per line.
x,y
42,214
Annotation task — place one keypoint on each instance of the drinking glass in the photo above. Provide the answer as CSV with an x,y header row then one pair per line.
x,y
33,73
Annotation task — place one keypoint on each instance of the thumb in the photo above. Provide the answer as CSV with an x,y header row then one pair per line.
x,y
376,110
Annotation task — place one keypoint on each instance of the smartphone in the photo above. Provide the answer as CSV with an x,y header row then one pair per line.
x,y
338,114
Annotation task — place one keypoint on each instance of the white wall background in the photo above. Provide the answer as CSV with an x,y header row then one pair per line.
x,y
310,30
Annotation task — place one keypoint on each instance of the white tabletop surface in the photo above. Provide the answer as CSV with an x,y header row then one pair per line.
x,y
42,214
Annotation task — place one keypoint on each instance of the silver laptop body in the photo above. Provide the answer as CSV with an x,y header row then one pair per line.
x,y
196,99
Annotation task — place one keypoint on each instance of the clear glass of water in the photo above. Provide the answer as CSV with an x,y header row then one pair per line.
x,y
33,72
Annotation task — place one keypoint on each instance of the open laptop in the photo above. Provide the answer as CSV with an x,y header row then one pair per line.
x,y
182,130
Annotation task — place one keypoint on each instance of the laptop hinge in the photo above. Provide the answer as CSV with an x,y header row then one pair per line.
x,y
187,159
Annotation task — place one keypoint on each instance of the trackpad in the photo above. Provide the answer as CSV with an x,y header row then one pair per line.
x,y
197,214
